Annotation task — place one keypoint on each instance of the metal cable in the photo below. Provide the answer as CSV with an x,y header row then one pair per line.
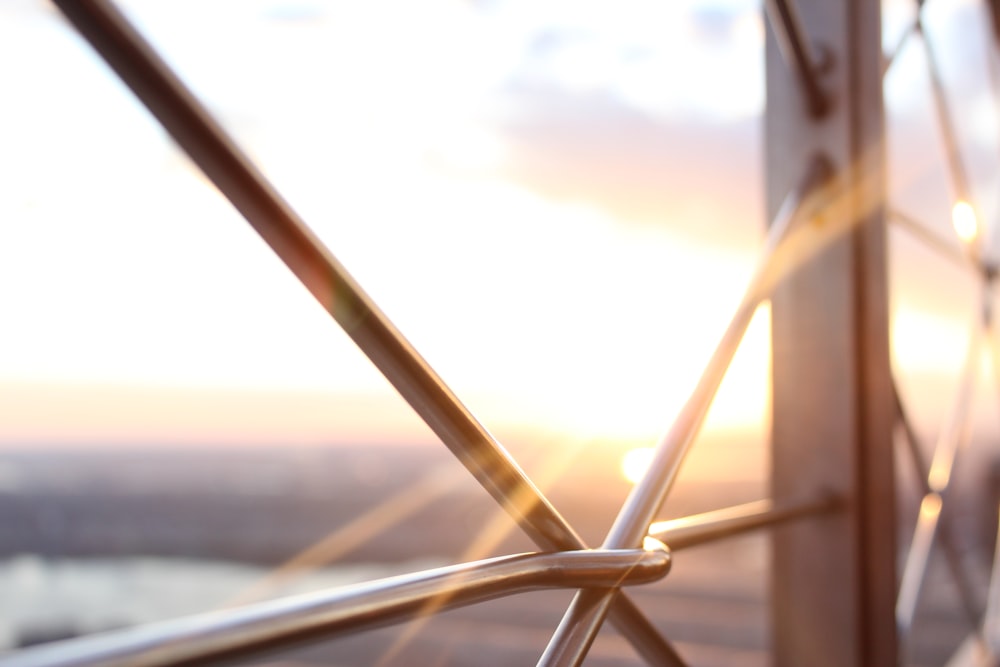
x,y
952,437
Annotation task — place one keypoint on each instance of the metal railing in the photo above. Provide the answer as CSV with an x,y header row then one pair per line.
x,y
935,478
637,549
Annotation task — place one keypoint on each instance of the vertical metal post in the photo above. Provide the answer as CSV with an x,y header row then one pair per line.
x,y
834,578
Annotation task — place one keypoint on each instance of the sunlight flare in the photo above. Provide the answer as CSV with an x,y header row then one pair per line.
x,y
636,462
963,218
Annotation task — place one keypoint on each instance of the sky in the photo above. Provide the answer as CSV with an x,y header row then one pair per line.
x,y
530,190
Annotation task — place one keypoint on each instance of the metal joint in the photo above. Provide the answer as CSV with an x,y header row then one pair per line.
x,y
810,64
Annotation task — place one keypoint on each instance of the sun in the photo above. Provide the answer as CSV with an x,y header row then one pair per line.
x,y
963,218
635,462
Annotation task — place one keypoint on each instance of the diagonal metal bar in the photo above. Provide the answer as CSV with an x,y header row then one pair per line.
x,y
904,39
208,145
922,232
583,619
911,29
952,437
243,631
956,168
947,540
795,48
691,531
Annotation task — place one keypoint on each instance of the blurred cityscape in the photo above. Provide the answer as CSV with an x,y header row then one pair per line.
x,y
95,539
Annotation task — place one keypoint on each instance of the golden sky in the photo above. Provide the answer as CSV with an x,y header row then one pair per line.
x,y
522,189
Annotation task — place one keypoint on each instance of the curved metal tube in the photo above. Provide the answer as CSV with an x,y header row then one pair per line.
x,y
231,633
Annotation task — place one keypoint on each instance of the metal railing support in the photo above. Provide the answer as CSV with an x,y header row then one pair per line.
x,y
834,577
692,531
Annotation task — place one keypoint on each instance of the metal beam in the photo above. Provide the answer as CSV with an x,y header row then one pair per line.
x,y
834,577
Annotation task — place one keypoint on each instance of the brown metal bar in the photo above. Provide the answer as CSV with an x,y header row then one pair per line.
x,y
208,145
244,631
953,435
833,579
794,44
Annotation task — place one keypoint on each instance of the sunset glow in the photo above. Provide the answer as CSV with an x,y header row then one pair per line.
x,y
963,219
635,462
555,279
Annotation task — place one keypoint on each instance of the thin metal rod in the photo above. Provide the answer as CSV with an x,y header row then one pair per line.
x,y
792,41
951,438
904,39
947,540
938,244
956,168
583,619
208,145
238,632
957,172
708,527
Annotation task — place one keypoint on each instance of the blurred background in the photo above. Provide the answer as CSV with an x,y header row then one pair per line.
x,y
558,203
